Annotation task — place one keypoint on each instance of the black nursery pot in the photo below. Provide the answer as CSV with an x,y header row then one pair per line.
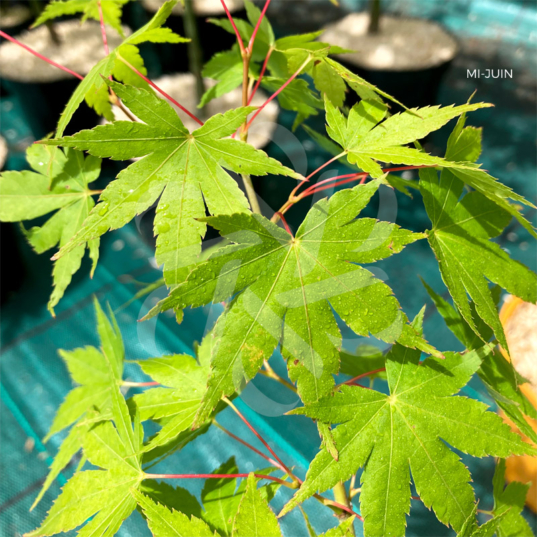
x,y
45,101
412,88
213,39
12,269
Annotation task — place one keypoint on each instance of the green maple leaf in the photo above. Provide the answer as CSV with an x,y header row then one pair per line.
x,y
499,376
344,529
104,493
112,10
176,498
400,184
464,144
470,527
221,497
165,523
186,380
274,276
254,517
226,67
365,138
287,56
93,89
393,435
89,368
184,169
508,504
60,180
460,237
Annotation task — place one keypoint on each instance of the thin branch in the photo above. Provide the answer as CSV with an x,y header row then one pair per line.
x,y
361,174
249,446
271,374
262,440
261,74
162,92
123,108
260,20
352,176
219,476
40,56
237,33
337,157
250,192
277,92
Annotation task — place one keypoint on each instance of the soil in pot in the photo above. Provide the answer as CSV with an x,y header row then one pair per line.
x,y
45,89
213,39
407,58
182,88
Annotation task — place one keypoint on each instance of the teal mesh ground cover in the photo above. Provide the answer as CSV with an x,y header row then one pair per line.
x,y
34,380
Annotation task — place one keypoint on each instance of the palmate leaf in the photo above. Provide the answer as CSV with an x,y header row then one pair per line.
x,y
254,517
365,138
93,88
165,523
60,180
104,493
88,367
112,10
508,504
343,530
222,497
284,289
184,169
187,380
287,55
500,378
393,435
176,498
460,237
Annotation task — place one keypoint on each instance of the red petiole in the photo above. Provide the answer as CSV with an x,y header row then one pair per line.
x,y
261,74
161,91
40,56
237,33
259,21
103,29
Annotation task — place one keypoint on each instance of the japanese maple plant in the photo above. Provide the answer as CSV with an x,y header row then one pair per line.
x,y
381,451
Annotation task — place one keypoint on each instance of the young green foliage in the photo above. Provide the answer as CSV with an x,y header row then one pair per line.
x,y
508,504
254,517
184,169
111,9
179,405
500,378
89,368
392,434
93,88
460,238
60,181
286,56
366,138
104,493
275,276
221,498
165,523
